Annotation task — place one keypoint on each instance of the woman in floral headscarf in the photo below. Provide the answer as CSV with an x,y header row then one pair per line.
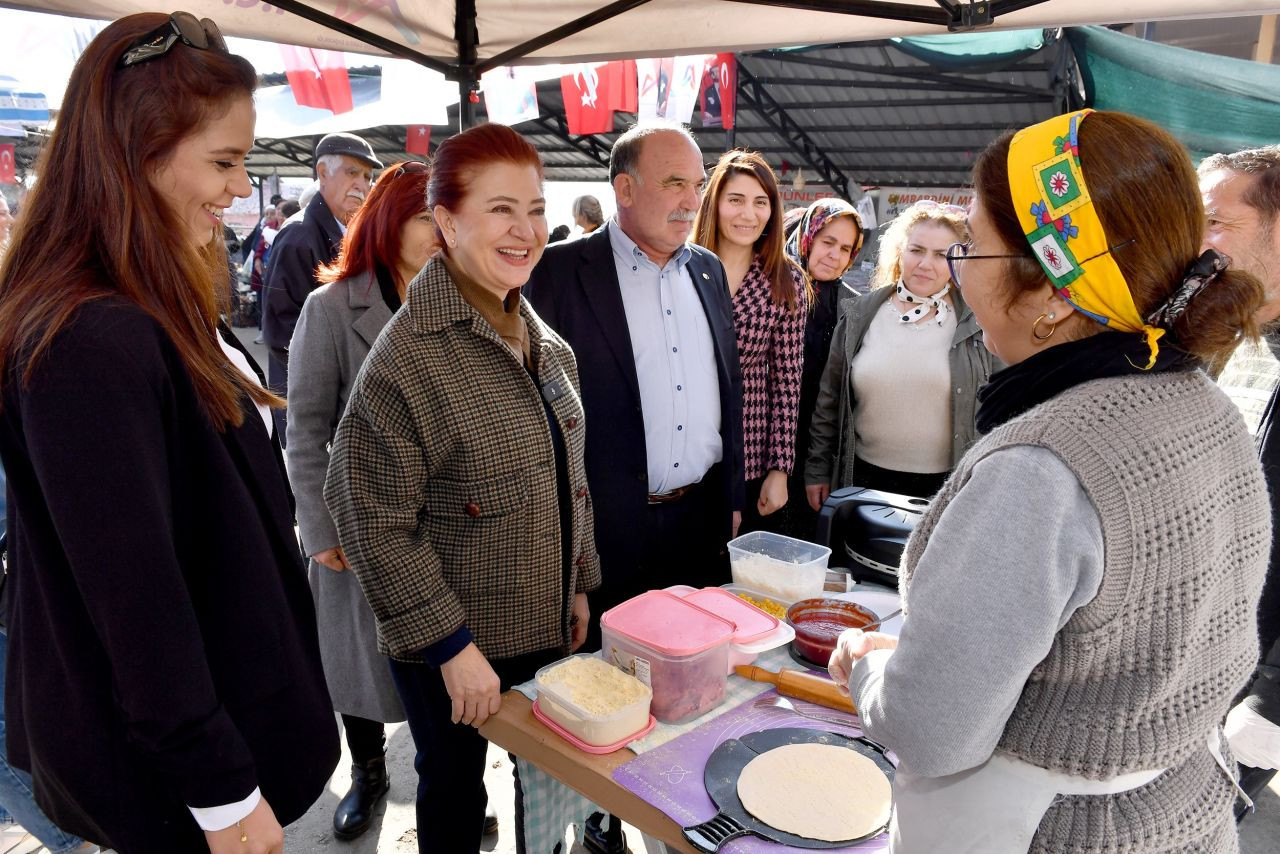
x,y
895,406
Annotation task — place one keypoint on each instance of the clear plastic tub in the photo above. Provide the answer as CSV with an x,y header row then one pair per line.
x,y
780,566
676,648
755,631
595,719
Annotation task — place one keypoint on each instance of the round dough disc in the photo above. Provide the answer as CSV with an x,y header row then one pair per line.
x,y
819,791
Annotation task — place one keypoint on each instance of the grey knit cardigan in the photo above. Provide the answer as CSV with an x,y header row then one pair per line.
x,y
1141,674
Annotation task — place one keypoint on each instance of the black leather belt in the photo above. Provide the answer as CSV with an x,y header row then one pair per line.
x,y
671,497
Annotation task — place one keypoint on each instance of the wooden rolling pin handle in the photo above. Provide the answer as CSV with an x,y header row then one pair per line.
x,y
815,689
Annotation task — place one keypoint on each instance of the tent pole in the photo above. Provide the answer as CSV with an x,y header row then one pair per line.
x,y
1266,39
467,36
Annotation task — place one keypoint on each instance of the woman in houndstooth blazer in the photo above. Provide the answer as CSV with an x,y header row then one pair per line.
x,y
457,481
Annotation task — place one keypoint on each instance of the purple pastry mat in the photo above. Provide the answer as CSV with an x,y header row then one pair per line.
x,y
670,776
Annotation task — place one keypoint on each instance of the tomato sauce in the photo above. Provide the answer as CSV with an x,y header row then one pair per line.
x,y
819,622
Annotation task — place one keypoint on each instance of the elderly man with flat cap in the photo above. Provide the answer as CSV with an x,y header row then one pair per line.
x,y
344,169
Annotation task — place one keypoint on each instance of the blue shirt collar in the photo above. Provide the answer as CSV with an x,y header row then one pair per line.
x,y
626,251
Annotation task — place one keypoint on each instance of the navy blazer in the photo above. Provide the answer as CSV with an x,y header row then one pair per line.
x,y
290,276
575,290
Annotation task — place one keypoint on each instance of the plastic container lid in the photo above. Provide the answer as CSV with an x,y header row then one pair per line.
x,y
750,623
598,749
668,624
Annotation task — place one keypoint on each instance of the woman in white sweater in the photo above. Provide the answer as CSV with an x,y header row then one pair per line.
x,y
896,403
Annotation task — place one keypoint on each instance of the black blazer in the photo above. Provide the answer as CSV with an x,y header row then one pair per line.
x,y
575,290
162,640
291,272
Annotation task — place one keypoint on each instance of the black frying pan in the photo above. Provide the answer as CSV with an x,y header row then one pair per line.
x,y
721,778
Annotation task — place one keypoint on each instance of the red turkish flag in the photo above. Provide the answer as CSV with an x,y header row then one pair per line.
x,y
318,78
622,86
587,97
8,171
418,139
719,91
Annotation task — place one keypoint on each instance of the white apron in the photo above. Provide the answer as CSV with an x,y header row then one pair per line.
x,y
996,807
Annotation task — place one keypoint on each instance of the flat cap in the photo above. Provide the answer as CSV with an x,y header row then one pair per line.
x,y
350,145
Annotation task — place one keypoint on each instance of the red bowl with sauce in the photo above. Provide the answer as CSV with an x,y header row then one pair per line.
x,y
819,622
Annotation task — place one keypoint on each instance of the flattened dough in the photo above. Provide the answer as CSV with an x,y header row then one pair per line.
x,y
820,791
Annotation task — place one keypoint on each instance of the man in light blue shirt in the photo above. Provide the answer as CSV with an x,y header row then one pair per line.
x,y
650,320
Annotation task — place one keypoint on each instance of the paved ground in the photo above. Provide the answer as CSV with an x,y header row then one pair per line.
x,y
394,832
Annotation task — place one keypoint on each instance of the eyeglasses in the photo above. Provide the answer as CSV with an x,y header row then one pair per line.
x,y
949,208
199,33
958,252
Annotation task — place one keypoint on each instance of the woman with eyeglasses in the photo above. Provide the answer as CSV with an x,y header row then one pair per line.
x,y
457,480
899,388
740,219
388,241
1075,593
164,679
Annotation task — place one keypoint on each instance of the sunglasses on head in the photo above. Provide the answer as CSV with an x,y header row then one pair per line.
x,y
930,203
412,167
199,33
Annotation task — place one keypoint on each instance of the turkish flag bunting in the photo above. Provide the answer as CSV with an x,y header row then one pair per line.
x,y
318,78
586,106
719,91
621,74
8,173
418,139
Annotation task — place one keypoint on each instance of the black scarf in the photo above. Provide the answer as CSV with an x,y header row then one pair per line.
x,y
1018,388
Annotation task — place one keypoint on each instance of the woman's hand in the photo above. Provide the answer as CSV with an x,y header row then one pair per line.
x,y
263,834
773,493
332,558
817,494
472,685
578,622
852,645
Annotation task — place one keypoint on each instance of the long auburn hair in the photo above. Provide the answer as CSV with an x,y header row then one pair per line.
x,y
769,245
93,226
373,235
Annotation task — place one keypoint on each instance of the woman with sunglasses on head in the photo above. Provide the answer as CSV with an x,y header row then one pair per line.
x,y
740,219
898,392
1076,590
164,680
387,242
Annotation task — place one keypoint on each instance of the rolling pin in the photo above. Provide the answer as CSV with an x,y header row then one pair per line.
x,y
802,686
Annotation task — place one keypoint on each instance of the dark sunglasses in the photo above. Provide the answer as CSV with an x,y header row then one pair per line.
x,y
412,167
199,33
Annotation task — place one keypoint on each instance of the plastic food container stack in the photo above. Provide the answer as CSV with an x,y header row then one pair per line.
x,y
754,630
594,708
780,566
676,648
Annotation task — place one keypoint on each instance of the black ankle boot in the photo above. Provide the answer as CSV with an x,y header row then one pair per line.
x,y
369,784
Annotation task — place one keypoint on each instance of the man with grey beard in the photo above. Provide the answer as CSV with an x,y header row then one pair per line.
x,y
344,170
1241,194
650,320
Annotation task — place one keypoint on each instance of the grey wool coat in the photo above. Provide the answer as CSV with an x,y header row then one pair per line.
x,y
338,325
443,480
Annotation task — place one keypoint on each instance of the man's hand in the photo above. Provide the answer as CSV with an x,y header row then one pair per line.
x,y
817,494
472,685
332,558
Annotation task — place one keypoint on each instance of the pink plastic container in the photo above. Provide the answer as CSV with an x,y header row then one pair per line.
x,y
676,648
754,630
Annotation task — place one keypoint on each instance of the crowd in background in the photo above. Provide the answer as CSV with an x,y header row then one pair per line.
x,y
467,420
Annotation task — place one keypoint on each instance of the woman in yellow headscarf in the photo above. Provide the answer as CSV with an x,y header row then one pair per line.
x,y
1074,593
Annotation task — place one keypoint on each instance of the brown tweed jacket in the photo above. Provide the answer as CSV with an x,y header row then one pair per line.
x,y
442,481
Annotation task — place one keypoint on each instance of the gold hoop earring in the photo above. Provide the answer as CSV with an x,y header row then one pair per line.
x,y
1053,327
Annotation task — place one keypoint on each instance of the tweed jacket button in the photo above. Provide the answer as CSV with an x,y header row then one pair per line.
x,y
582,492
472,508
572,422
582,561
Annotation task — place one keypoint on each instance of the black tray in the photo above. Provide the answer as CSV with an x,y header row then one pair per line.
x,y
721,778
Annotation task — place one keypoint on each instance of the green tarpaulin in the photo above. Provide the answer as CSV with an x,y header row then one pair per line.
x,y
1211,103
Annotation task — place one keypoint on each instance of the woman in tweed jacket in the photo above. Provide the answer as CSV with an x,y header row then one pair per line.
x,y
387,242
740,220
457,481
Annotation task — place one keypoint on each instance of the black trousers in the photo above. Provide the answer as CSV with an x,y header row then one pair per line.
x,y
365,738
278,381
682,542
871,476
450,757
